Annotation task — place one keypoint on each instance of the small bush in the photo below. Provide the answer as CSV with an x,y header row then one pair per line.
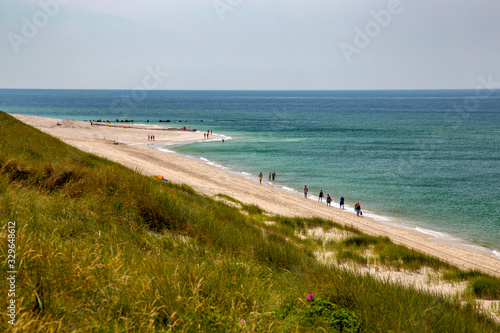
x,y
319,313
361,240
486,287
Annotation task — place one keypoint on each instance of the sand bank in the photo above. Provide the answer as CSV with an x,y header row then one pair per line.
x,y
135,151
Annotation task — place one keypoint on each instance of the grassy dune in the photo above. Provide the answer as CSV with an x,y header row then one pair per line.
x,y
101,248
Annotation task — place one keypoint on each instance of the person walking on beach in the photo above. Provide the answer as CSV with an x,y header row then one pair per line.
x,y
305,191
260,177
328,200
341,202
320,199
357,208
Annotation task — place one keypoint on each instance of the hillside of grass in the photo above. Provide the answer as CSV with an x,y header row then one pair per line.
x,y
101,248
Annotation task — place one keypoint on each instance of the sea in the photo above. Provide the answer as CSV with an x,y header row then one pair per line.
x,y
426,160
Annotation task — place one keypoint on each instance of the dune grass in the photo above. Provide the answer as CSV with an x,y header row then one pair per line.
x,y
101,248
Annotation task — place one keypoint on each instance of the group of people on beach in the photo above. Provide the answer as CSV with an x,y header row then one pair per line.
x,y
321,195
151,138
272,176
357,206
206,135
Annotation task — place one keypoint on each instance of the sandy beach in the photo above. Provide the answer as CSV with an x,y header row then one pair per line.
x,y
134,150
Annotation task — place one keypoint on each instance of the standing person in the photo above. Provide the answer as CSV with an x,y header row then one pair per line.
x,y
305,191
342,202
320,199
274,175
357,208
328,200
269,176
260,177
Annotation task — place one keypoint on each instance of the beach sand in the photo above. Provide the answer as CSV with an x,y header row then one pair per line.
x,y
133,151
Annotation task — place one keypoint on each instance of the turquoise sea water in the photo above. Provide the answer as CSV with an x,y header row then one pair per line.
x,y
429,160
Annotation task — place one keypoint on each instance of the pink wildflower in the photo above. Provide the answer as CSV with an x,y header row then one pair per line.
x,y
310,297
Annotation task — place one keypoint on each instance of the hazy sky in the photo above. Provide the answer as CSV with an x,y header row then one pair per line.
x,y
249,44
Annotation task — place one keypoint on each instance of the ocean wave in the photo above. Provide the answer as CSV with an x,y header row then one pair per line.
x,y
436,234
167,150
207,161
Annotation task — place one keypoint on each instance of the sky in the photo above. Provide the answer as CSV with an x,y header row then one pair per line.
x,y
249,44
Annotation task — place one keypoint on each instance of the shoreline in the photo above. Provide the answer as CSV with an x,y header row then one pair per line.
x,y
391,221
134,151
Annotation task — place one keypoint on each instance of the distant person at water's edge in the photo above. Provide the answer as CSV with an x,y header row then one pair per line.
x,y
305,191
260,177
357,208
320,199
328,200
342,202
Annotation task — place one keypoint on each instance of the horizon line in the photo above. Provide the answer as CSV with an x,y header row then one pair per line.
x,y
102,89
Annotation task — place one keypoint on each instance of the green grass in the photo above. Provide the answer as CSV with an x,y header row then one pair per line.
x,y
458,275
252,209
344,255
362,240
101,248
486,287
228,198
